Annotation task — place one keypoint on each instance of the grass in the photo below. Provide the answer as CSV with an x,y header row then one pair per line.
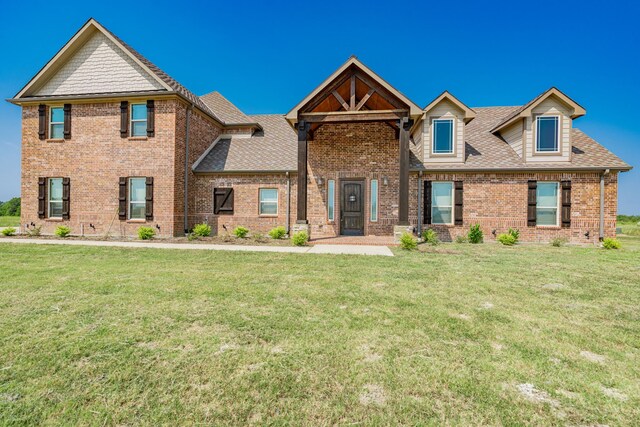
x,y
9,221
108,336
629,228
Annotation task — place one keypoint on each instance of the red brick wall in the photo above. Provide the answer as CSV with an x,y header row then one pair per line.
x,y
94,158
498,201
246,189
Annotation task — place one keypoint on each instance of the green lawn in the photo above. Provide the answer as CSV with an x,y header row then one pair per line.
x,y
106,336
9,221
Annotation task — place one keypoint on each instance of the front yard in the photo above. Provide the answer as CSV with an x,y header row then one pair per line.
x,y
460,334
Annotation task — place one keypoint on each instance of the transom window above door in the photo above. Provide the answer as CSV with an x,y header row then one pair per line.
x,y
442,136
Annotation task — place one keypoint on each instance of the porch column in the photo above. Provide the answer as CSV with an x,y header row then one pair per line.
x,y
303,131
405,124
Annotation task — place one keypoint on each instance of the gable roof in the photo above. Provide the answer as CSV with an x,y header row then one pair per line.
x,y
224,109
486,151
168,84
469,114
525,110
414,110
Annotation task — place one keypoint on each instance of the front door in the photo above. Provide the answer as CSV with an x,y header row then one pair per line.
x,y
352,208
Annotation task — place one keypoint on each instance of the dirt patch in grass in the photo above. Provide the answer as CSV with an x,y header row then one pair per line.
x,y
532,394
614,393
593,357
373,395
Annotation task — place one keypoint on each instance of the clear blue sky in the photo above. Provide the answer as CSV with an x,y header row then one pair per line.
x,y
266,56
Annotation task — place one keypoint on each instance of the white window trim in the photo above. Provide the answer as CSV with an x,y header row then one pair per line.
x,y
132,121
558,133
130,202
377,194
331,199
557,207
49,180
453,203
260,202
433,135
51,122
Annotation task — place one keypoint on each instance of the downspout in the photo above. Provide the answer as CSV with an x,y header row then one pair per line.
x,y
288,202
606,172
186,170
419,203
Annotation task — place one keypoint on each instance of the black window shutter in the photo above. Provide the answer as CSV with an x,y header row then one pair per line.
x,y
42,197
427,202
42,121
67,121
458,202
151,118
223,201
531,204
124,119
66,201
566,204
122,198
149,199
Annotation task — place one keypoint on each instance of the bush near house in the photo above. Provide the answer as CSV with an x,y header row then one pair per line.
x,y
146,233
277,233
300,238
430,237
9,231
507,239
559,241
62,231
408,242
202,230
475,234
611,243
241,232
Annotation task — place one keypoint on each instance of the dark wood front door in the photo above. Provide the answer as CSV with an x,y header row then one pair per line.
x,y
352,208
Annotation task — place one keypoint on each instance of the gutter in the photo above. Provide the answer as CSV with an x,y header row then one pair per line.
x,y
522,170
605,172
186,169
288,203
420,203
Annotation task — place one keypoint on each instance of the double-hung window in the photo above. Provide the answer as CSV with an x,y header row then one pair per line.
x,y
138,119
56,123
547,128
331,200
268,201
547,203
442,203
55,198
442,136
374,200
137,198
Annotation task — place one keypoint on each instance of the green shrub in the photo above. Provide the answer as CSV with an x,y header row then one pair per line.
x,y
35,231
241,232
300,238
201,230
146,233
507,239
515,233
558,241
611,243
9,231
430,237
408,242
259,237
475,234
462,239
278,233
62,231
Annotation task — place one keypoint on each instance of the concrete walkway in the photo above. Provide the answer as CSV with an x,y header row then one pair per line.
x,y
316,249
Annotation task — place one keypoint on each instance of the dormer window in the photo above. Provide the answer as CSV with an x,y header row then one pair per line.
x,y
442,139
547,130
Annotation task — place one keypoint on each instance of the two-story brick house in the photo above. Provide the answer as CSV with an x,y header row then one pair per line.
x,y
110,142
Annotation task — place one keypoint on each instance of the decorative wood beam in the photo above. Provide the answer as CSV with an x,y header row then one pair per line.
x,y
365,99
341,100
352,104
353,116
405,125
316,100
303,130
381,91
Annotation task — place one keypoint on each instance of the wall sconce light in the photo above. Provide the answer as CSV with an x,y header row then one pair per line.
x,y
587,234
494,231
158,227
320,180
385,180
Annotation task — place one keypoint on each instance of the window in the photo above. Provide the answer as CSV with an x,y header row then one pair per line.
x,y
56,123
138,119
547,134
268,201
374,200
442,136
442,203
137,198
547,203
55,197
331,199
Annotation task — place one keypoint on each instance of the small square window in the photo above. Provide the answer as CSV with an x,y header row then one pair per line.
x,y
55,198
374,200
138,119
137,198
547,134
442,136
56,123
268,201
442,203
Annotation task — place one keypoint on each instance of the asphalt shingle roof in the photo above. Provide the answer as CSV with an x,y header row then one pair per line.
x,y
224,109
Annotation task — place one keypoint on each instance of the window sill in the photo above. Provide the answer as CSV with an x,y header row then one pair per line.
x,y
268,216
53,219
452,154
136,221
54,141
549,227
137,138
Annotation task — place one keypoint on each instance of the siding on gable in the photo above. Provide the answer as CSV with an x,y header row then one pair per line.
x,y
99,66
444,109
549,106
513,136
